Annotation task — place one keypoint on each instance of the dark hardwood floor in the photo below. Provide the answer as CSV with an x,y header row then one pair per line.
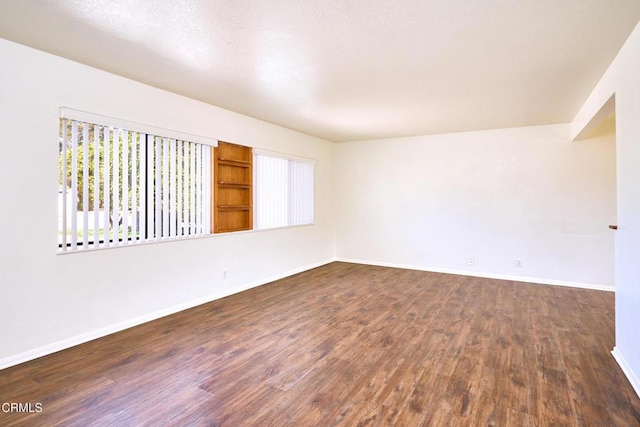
x,y
347,344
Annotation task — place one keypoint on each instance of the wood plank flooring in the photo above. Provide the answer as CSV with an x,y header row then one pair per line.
x,y
349,345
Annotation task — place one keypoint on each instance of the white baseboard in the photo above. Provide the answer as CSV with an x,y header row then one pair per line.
x,y
631,376
482,274
99,333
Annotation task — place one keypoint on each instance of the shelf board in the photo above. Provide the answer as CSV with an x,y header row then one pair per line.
x,y
234,207
246,162
223,184
236,163
227,230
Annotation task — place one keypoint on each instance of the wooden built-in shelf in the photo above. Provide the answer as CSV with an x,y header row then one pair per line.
x,y
233,184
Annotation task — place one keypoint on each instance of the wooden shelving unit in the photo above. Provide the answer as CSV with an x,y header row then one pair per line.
x,y
233,188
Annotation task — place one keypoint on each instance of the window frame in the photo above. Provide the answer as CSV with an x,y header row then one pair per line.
x,y
292,158
153,132
143,139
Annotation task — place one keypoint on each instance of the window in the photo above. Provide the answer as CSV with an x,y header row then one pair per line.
x,y
283,190
122,183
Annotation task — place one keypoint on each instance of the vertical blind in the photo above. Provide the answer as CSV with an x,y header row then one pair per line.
x,y
283,190
118,187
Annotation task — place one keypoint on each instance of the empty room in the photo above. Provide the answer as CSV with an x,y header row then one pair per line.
x,y
314,213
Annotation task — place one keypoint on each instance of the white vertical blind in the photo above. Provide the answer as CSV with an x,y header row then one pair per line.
x,y
96,186
157,187
198,193
187,187
62,192
179,203
283,190
165,188
172,188
107,186
192,188
119,187
272,192
125,171
115,190
74,183
134,173
85,186
206,189
142,182
301,193
149,184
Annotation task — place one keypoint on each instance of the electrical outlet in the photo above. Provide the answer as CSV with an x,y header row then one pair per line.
x,y
518,262
470,260
224,274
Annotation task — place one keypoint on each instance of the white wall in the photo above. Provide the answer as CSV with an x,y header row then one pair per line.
x,y
527,193
623,79
48,301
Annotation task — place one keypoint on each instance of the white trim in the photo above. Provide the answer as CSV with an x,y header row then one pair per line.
x,y
45,350
483,275
182,239
626,369
262,152
84,116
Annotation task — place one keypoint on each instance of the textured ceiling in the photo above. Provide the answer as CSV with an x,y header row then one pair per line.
x,y
346,70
